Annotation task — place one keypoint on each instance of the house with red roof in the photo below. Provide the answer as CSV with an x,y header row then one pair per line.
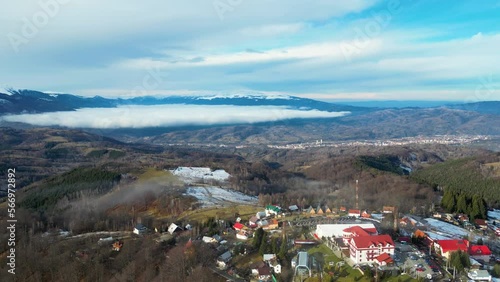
x,y
446,247
238,226
364,214
366,249
355,213
384,260
481,224
480,252
357,231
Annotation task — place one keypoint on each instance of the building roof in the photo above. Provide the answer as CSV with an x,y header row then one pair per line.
x,y
479,275
266,270
238,226
482,250
385,257
172,228
337,230
140,227
267,257
225,256
480,222
253,219
293,208
303,259
273,208
366,242
356,230
452,245
355,211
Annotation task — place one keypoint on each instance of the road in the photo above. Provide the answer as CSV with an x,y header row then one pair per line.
x,y
226,276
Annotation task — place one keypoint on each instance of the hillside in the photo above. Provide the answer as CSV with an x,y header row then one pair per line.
x,y
383,124
471,176
30,101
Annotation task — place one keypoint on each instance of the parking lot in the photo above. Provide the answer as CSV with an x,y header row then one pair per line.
x,y
415,262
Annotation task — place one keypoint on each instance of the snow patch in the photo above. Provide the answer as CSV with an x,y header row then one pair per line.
x,y
200,174
214,196
240,96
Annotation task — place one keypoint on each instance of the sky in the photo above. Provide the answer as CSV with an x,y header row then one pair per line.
x,y
321,49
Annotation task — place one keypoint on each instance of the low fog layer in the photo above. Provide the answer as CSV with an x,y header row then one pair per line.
x,y
167,115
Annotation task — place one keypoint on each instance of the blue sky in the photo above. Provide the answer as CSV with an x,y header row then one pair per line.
x,y
323,49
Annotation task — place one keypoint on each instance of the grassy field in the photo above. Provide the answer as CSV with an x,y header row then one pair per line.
x,y
494,169
158,176
244,211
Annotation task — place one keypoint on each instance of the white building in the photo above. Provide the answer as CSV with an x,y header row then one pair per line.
x,y
479,275
140,229
337,230
366,249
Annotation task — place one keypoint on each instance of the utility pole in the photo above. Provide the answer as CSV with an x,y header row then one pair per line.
x,y
357,194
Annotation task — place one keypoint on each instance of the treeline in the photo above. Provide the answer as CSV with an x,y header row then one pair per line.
x,y
474,207
463,176
383,162
69,185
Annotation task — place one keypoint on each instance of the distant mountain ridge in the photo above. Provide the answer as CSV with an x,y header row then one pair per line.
x,y
29,101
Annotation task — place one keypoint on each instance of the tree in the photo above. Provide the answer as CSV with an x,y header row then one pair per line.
x,y
274,245
462,204
496,270
460,260
448,201
257,238
264,247
283,250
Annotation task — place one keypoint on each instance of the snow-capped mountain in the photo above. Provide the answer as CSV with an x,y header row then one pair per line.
x,y
29,101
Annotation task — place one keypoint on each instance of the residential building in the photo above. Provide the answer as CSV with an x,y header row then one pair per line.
x,y
140,229
173,228
480,252
446,247
272,210
384,260
388,209
238,226
253,221
481,224
319,210
208,240
366,249
327,209
261,215
264,273
310,210
272,224
354,213
242,235
223,260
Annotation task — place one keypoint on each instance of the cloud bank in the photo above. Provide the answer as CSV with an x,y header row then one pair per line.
x,y
167,116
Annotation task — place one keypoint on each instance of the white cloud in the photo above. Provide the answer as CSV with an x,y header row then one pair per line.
x,y
167,116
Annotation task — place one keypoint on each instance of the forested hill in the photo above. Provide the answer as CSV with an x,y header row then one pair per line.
x,y
471,176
